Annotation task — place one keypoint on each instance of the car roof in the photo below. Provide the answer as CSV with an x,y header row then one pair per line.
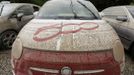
x,y
14,6
129,6
122,6
20,4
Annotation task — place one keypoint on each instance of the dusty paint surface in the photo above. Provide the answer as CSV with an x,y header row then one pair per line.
x,y
73,35
51,45
72,28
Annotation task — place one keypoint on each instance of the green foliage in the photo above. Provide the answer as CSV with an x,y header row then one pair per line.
x,y
38,2
100,4
132,2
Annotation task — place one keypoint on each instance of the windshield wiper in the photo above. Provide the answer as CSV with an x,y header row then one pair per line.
x,y
86,8
1,10
71,5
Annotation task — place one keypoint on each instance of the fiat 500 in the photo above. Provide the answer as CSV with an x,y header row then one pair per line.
x,y
67,37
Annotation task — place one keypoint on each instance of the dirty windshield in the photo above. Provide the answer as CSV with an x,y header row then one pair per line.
x,y
67,9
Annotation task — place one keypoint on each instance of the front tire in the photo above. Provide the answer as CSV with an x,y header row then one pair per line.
x,y
7,38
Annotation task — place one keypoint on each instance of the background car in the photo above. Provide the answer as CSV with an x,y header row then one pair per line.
x,y
67,37
13,16
122,20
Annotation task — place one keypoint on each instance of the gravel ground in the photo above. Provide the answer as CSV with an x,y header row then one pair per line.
x,y
5,66
129,66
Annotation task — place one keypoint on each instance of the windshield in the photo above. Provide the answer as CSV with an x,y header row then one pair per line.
x,y
6,9
68,9
131,10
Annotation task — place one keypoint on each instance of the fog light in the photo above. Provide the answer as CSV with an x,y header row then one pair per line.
x,y
119,56
17,49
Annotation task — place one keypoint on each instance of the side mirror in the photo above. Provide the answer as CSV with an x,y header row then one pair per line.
x,y
36,13
19,16
122,18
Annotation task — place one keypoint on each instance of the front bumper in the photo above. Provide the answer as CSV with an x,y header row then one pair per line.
x,y
33,62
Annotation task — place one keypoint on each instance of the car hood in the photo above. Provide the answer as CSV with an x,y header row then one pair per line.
x,y
68,35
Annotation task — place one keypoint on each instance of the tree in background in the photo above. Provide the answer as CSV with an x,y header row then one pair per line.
x,y
100,4
38,2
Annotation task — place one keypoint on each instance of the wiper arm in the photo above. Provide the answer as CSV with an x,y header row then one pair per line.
x,y
86,8
1,10
71,5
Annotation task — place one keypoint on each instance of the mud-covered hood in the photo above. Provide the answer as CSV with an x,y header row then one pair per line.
x,y
68,35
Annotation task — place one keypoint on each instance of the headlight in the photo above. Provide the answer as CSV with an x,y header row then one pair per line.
x,y
17,49
119,56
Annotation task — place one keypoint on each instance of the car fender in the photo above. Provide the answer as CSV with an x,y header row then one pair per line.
x,y
10,24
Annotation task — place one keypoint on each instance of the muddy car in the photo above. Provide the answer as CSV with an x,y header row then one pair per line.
x,y
67,37
122,18
13,16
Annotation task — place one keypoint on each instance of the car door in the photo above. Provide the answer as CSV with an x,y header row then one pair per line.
x,y
123,26
130,26
27,14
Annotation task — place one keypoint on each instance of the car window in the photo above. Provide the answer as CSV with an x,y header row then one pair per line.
x,y
131,10
114,12
67,9
26,10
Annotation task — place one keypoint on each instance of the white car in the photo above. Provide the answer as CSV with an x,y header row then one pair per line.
x,y
122,20
67,37
13,16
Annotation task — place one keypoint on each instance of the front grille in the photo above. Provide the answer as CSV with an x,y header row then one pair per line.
x,y
80,72
36,62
